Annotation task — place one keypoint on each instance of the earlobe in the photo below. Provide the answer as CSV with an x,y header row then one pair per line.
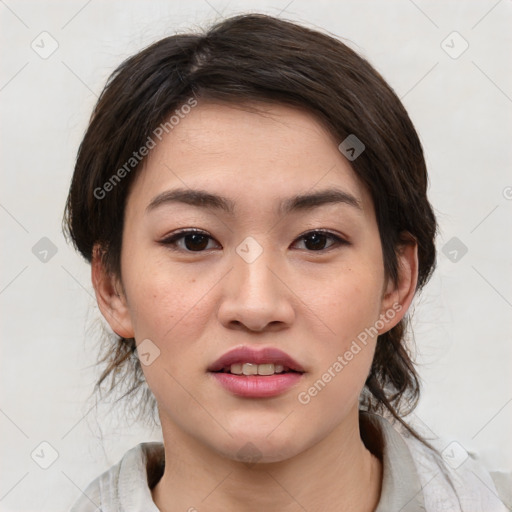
x,y
398,296
110,296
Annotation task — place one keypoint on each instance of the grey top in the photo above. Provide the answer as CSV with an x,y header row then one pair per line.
x,y
414,479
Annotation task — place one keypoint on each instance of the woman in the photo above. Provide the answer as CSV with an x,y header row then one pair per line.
x,y
253,204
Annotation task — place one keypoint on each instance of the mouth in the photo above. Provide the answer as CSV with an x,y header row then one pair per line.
x,y
250,361
256,369
251,373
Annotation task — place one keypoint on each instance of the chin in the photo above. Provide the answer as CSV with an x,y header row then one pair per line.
x,y
260,449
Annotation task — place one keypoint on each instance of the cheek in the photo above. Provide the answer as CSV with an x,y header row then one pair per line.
x,y
349,305
167,310
345,355
350,300
167,306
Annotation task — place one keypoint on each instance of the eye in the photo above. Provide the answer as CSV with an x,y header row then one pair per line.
x,y
193,240
315,241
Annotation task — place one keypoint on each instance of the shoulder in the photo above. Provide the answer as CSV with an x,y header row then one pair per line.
x,y
124,487
456,479
446,478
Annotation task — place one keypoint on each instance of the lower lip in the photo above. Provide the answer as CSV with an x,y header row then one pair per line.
x,y
257,386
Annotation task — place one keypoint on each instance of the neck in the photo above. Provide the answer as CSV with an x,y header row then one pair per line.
x,y
336,474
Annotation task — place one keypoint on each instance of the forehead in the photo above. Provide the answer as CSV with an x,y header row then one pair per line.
x,y
255,153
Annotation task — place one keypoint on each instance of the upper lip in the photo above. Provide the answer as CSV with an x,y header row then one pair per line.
x,y
246,354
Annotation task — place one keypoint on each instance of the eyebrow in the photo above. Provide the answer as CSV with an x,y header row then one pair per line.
x,y
299,202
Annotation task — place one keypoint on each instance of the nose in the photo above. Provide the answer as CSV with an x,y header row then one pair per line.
x,y
256,296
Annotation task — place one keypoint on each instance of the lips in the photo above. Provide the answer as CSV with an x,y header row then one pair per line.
x,y
255,374
246,354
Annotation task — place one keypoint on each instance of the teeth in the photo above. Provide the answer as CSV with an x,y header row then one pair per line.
x,y
266,369
256,369
236,369
250,369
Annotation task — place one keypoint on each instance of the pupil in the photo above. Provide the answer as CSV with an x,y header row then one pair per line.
x,y
318,241
196,242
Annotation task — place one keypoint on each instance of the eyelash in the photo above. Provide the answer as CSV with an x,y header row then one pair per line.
x,y
171,241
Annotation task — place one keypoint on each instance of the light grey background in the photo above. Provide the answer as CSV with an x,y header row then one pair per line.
x,y
462,108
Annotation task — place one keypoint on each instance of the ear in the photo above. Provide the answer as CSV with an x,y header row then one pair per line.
x,y
397,297
110,296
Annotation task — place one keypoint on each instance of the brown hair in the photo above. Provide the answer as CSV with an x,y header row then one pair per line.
x,y
259,58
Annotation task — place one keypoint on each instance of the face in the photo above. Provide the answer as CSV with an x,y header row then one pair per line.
x,y
283,254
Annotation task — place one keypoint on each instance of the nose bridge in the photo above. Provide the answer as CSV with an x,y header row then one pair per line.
x,y
254,296
252,264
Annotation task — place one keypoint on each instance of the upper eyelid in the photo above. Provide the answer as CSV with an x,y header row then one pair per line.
x,y
186,231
